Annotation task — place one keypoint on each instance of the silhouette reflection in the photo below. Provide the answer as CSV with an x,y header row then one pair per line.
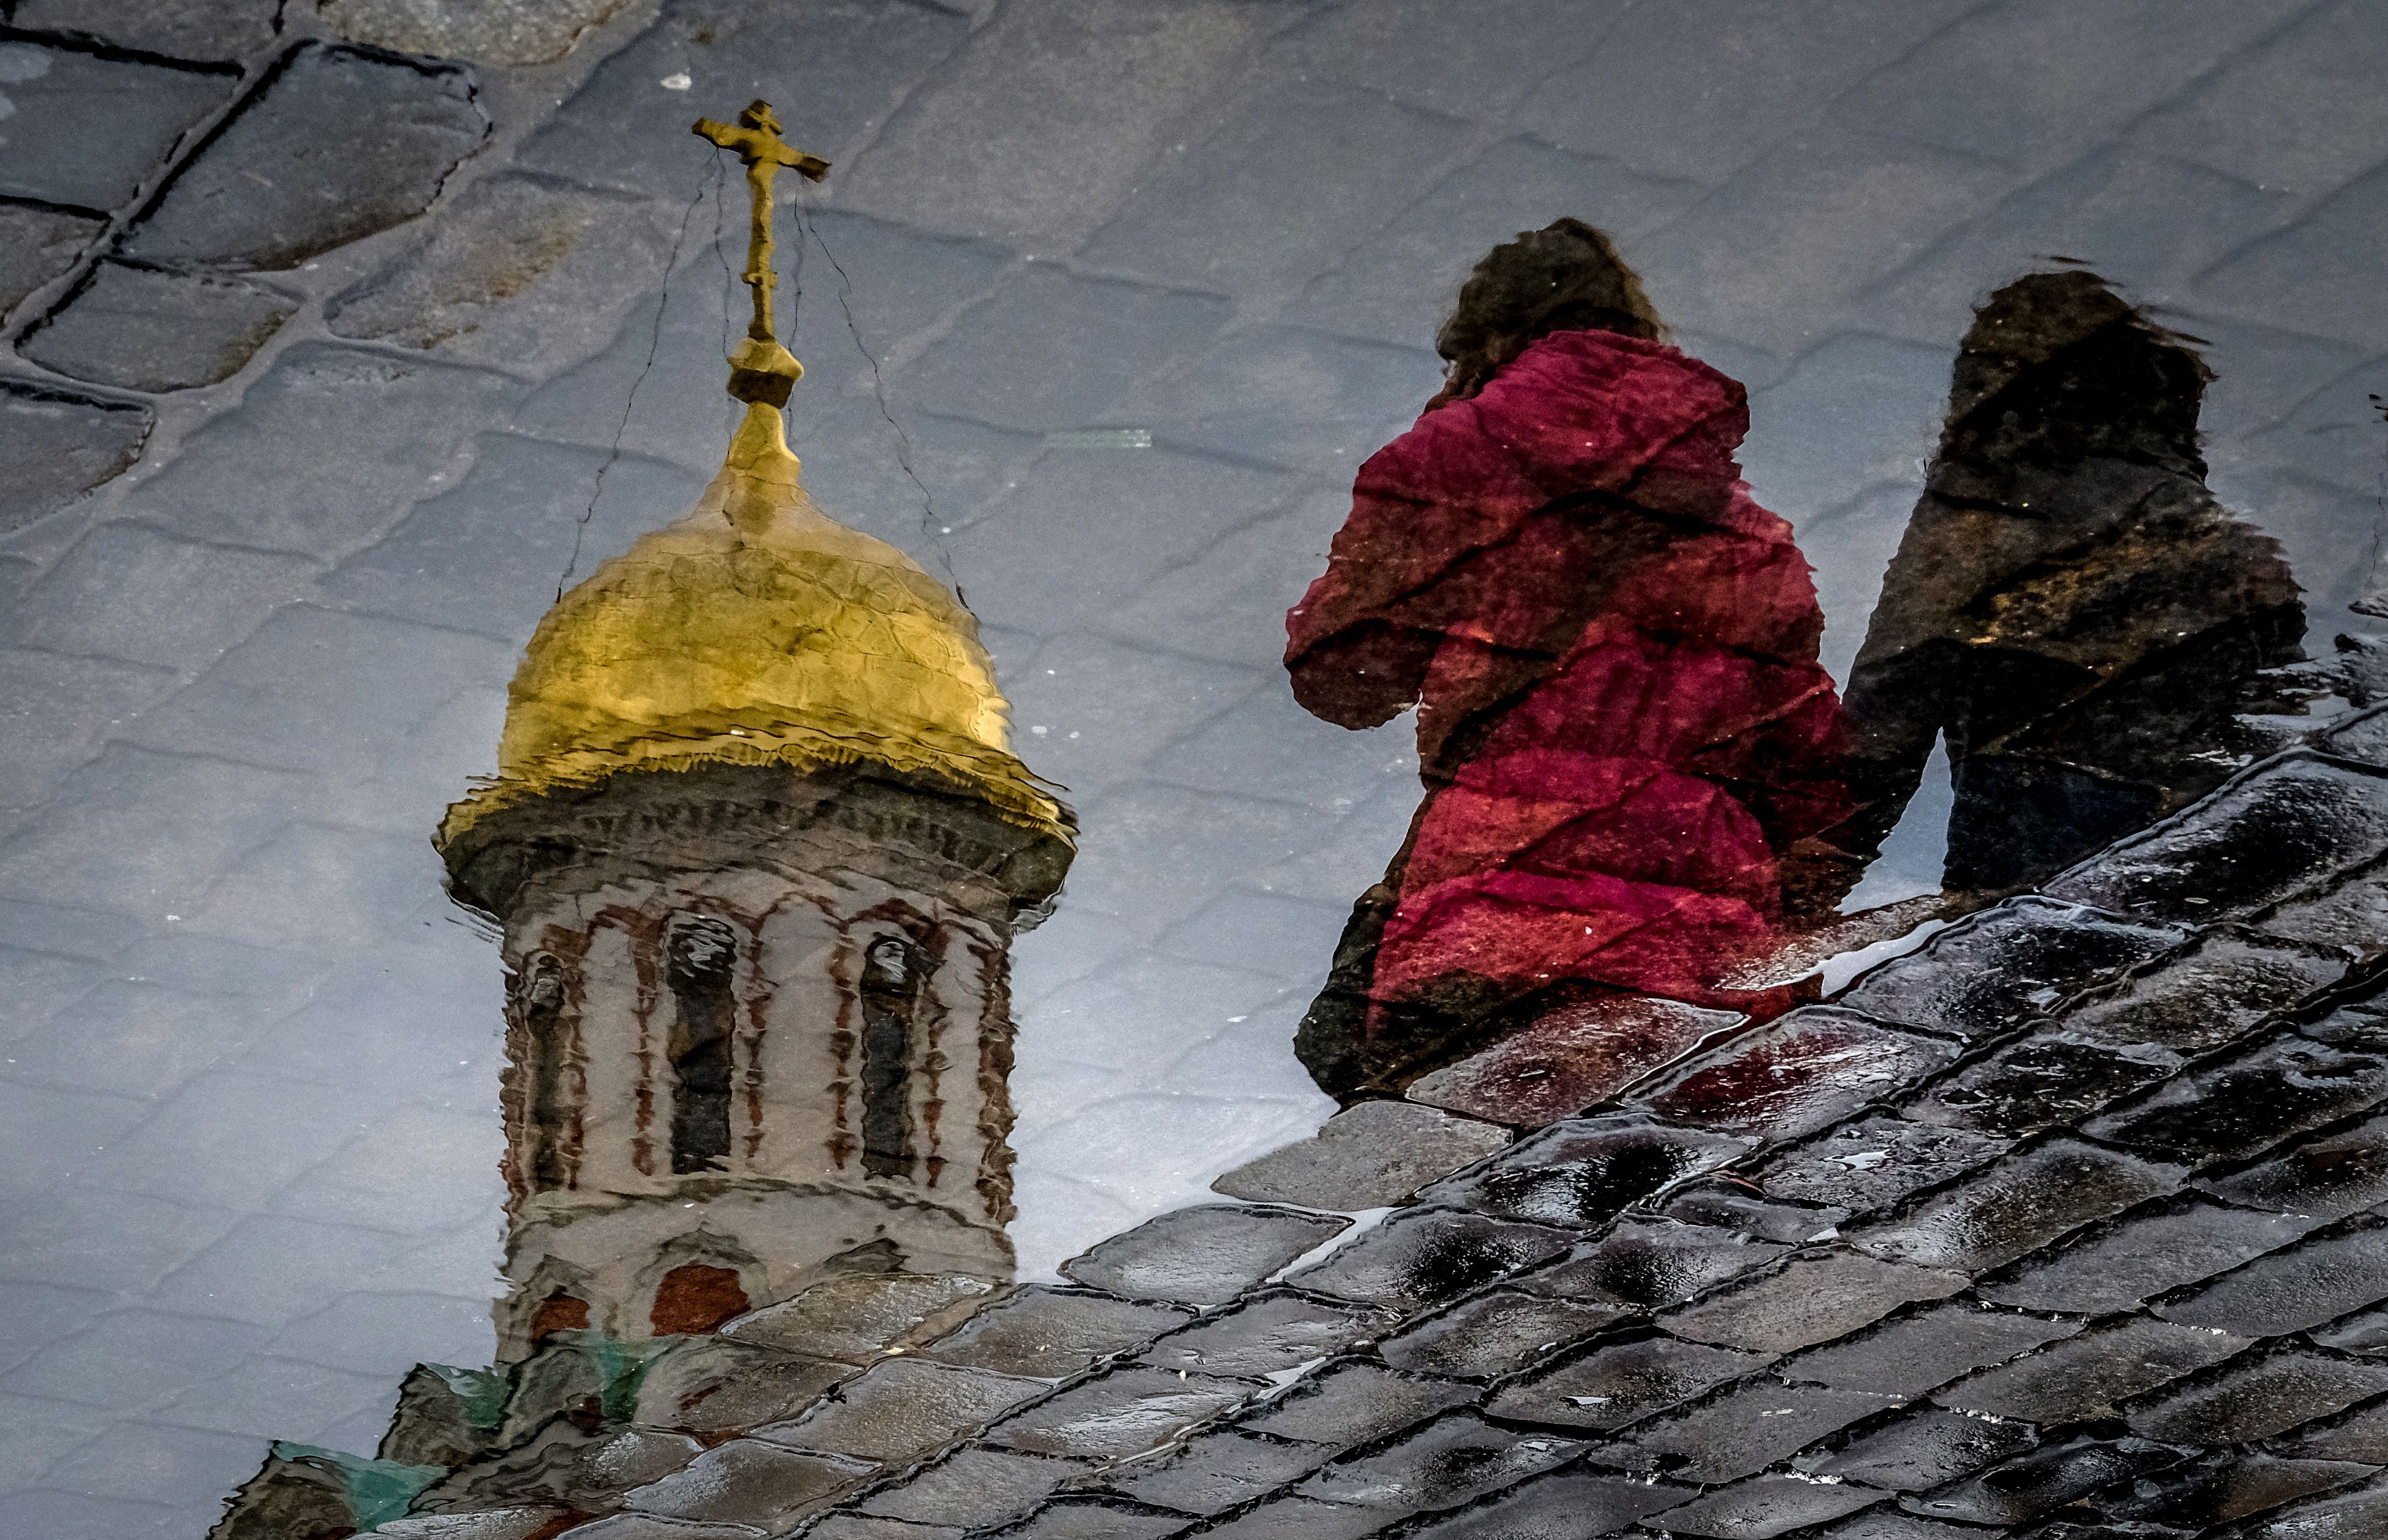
x,y
1640,781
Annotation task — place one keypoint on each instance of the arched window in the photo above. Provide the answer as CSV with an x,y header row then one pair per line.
x,y
694,1299
891,990
548,1113
700,958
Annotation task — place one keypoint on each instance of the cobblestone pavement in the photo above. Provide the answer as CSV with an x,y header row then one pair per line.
x,y
339,335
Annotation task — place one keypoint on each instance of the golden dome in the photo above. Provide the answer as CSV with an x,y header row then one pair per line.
x,y
758,630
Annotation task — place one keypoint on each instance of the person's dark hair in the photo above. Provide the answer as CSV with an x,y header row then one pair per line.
x,y
1565,277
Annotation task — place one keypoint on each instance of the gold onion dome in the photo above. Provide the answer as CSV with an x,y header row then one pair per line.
x,y
758,630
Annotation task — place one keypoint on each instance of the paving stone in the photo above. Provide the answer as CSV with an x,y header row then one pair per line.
x,y
1268,1333
1421,1258
486,31
36,245
1299,1519
1611,1386
1647,1264
2047,1079
1930,1347
1218,1470
1097,1519
1810,1299
1049,1334
2018,962
1925,1448
2206,995
747,1482
2258,1398
1883,1524
1048,351
2355,1516
2018,1204
1566,1062
2359,1026
518,273
1561,1505
1739,1432
2362,1437
500,1523
2288,824
254,476
972,1488
904,1409
854,1318
2361,737
1764,1506
718,1385
1495,1333
1454,1459
860,1526
1368,1156
2024,1489
1205,1255
2365,1332
2350,914
56,446
340,145
2325,1179
641,1526
86,130
2223,1488
1796,1075
201,30
1875,1163
2319,1279
1585,1171
1122,1413
2145,1254
2081,1378
1356,1403
1727,1203
144,329
127,591
2247,1103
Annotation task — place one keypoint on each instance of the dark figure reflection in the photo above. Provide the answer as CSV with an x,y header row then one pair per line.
x,y
1629,749
1640,781
2070,606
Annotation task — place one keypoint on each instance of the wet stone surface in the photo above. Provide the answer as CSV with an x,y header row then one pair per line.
x,y
1808,1300
2024,1201
1749,1427
86,130
2041,1483
1048,1333
1612,1386
1202,1256
139,329
2361,1436
1649,1265
2328,1275
1496,1333
1217,1472
1926,1348
2248,1103
2287,826
1356,1403
345,143
1875,1163
2081,1378
1267,1334
1728,1203
747,1482
1558,1066
1367,1157
2006,966
56,446
1452,1460
37,243
2329,1178
1123,1412
2251,1400
1796,1074
2220,1490
2178,1242
714,1384
2040,1083
2208,994
1764,1507
1421,1258
1926,1448
972,1488
1097,1519
1585,1172
1564,1505
902,1409
854,1318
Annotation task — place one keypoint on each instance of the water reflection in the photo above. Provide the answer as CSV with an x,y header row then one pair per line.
x,y
1640,781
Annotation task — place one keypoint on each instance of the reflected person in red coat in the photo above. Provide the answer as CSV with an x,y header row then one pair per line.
x,y
1631,753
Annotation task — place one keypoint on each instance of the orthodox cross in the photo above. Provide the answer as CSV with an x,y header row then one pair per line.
x,y
760,369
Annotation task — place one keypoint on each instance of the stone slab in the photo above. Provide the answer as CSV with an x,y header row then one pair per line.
x,y
147,330
1368,1156
1566,1061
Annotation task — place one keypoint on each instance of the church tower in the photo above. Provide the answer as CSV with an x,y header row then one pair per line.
x,y
758,845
